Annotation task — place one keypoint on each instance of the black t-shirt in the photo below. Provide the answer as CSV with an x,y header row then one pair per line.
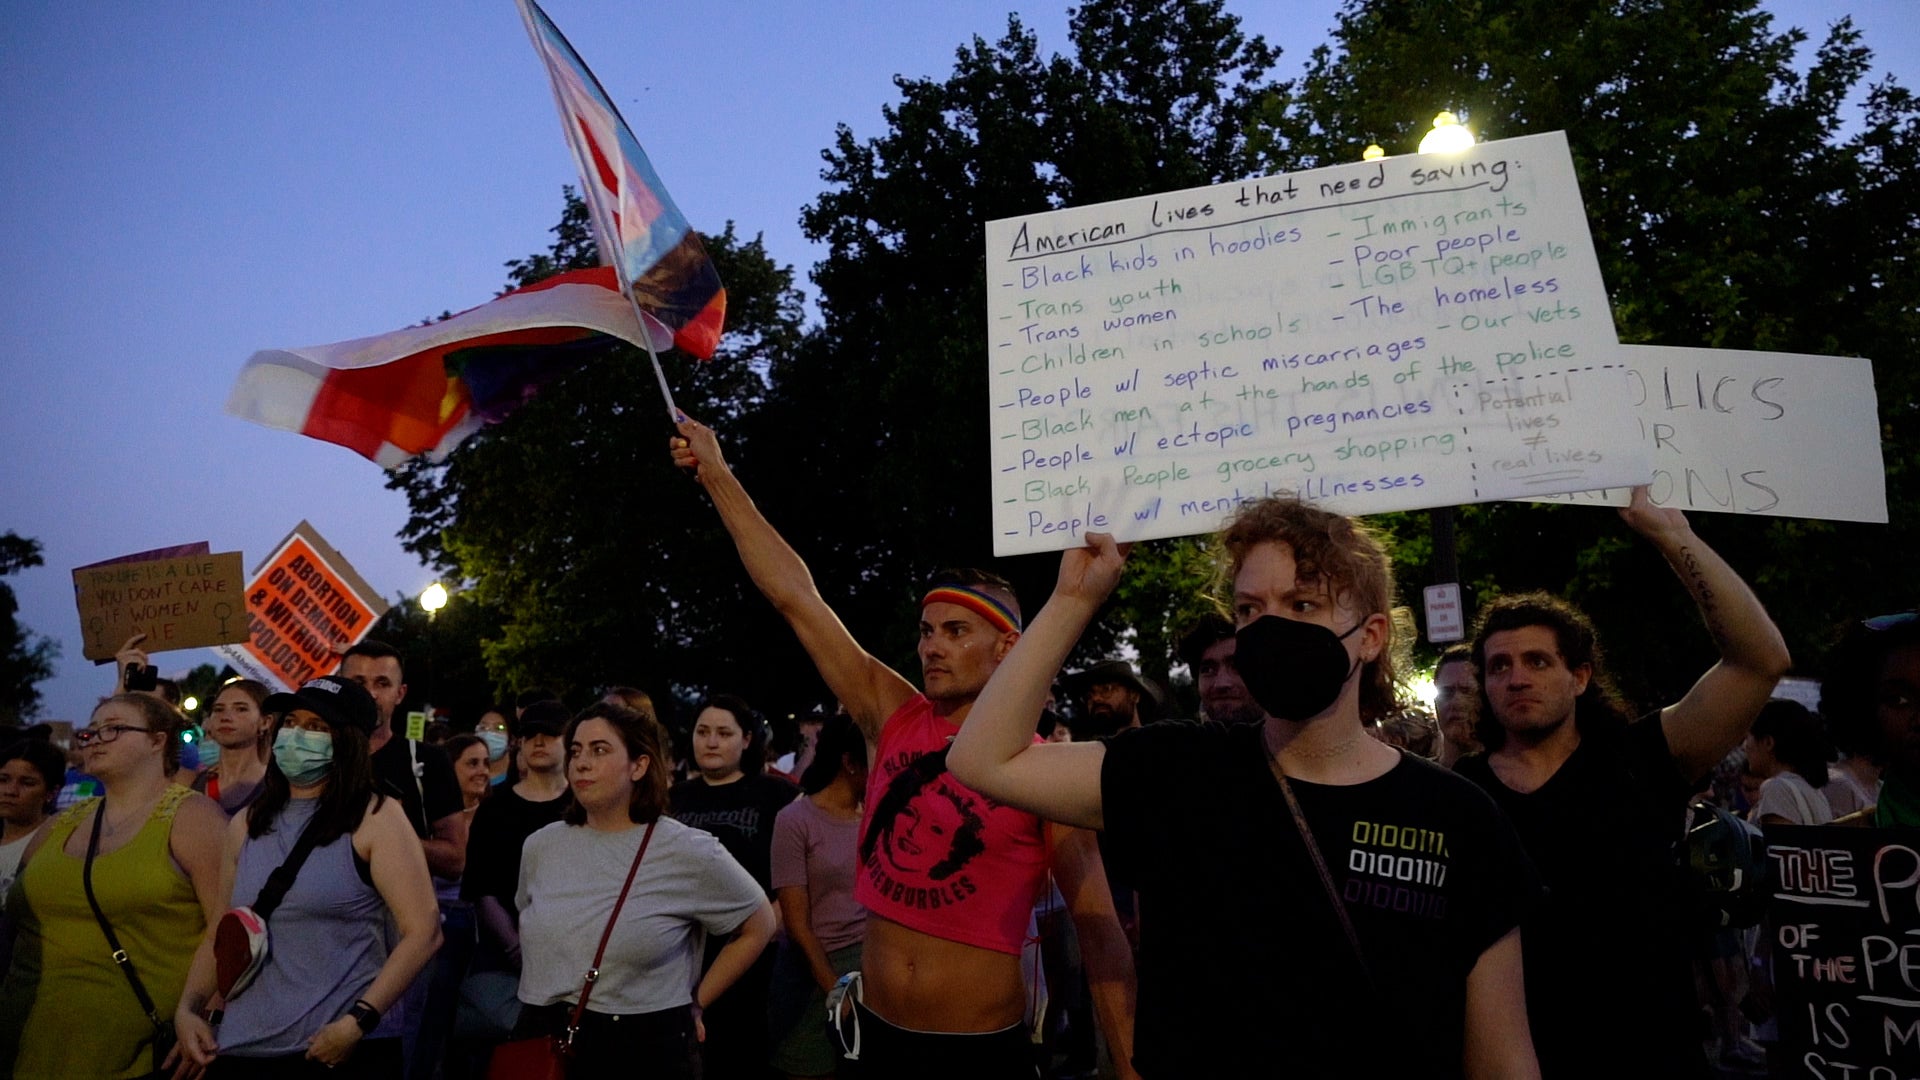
x,y
393,772
740,814
1610,950
500,829
1244,968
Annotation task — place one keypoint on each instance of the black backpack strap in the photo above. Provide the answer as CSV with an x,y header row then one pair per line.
x,y
278,882
120,958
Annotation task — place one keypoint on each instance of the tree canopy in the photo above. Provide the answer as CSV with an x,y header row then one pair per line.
x,y
26,659
1733,201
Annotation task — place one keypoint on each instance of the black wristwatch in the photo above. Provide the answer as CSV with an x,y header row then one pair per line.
x,y
366,1016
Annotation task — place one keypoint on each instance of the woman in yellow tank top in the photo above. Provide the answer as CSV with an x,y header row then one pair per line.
x,y
66,1009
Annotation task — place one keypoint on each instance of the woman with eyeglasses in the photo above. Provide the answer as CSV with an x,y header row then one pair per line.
x,y
148,851
354,928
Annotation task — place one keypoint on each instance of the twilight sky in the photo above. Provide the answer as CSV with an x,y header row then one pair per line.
x,y
183,184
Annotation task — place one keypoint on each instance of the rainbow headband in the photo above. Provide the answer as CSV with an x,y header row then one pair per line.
x,y
995,612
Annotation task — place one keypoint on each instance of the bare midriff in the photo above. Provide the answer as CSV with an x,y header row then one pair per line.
x,y
918,981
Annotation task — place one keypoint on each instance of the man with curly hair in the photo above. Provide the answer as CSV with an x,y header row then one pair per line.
x,y
1600,799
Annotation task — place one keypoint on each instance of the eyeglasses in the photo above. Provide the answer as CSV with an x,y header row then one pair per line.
x,y
105,734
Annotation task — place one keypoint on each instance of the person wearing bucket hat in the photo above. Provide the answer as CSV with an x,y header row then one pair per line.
x,y
332,967
1117,697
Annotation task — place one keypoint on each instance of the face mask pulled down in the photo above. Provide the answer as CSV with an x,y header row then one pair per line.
x,y
1294,670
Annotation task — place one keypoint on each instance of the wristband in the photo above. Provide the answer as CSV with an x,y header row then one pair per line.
x,y
366,1016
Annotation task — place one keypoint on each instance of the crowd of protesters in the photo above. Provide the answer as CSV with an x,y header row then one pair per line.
x,y
999,871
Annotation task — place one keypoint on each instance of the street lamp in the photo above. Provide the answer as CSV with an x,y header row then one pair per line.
x,y
432,599
190,704
1447,136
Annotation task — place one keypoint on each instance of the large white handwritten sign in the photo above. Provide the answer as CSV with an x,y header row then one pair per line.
x,y
1757,433
1417,331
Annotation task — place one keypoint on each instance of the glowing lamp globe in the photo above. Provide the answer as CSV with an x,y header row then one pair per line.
x,y
1447,136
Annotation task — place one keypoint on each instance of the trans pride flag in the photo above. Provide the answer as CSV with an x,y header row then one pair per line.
x,y
641,234
421,390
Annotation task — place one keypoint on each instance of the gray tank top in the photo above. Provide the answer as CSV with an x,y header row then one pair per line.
x,y
328,940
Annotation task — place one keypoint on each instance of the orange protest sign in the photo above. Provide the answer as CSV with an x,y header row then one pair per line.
x,y
305,606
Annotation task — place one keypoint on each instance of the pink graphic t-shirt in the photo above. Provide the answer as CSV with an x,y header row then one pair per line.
x,y
937,856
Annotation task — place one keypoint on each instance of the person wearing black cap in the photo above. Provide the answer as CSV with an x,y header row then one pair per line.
x,y
333,968
501,827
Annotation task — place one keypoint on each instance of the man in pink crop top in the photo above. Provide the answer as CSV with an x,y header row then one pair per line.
x,y
948,876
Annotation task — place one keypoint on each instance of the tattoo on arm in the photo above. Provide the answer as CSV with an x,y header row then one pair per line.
x,y
1696,581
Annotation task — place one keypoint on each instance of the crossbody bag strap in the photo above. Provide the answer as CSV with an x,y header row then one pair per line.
x,y
1326,877
282,878
593,973
120,958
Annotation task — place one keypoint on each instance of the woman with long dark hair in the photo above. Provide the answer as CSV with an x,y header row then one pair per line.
x,y
330,974
815,857
1788,751
736,799
1870,699
644,1014
237,726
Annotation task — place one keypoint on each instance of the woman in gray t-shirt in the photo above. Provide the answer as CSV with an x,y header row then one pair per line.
x,y
644,1011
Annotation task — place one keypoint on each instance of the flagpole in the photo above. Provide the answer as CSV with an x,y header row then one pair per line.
x,y
606,235
646,339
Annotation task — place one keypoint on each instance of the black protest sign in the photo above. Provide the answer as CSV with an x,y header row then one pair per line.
x,y
1844,923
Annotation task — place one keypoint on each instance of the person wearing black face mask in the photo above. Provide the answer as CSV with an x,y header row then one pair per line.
x,y
1347,870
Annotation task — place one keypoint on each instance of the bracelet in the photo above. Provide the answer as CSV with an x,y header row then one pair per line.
x,y
365,1015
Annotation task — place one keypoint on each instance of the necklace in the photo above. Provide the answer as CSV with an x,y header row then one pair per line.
x,y
1273,756
137,819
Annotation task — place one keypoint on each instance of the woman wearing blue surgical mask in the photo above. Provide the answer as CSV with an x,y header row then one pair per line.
x,y
493,730
332,970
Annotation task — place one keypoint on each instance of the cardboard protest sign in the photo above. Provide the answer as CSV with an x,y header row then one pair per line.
x,y
172,551
182,602
304,606
1410,332
1780,434
1844,923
